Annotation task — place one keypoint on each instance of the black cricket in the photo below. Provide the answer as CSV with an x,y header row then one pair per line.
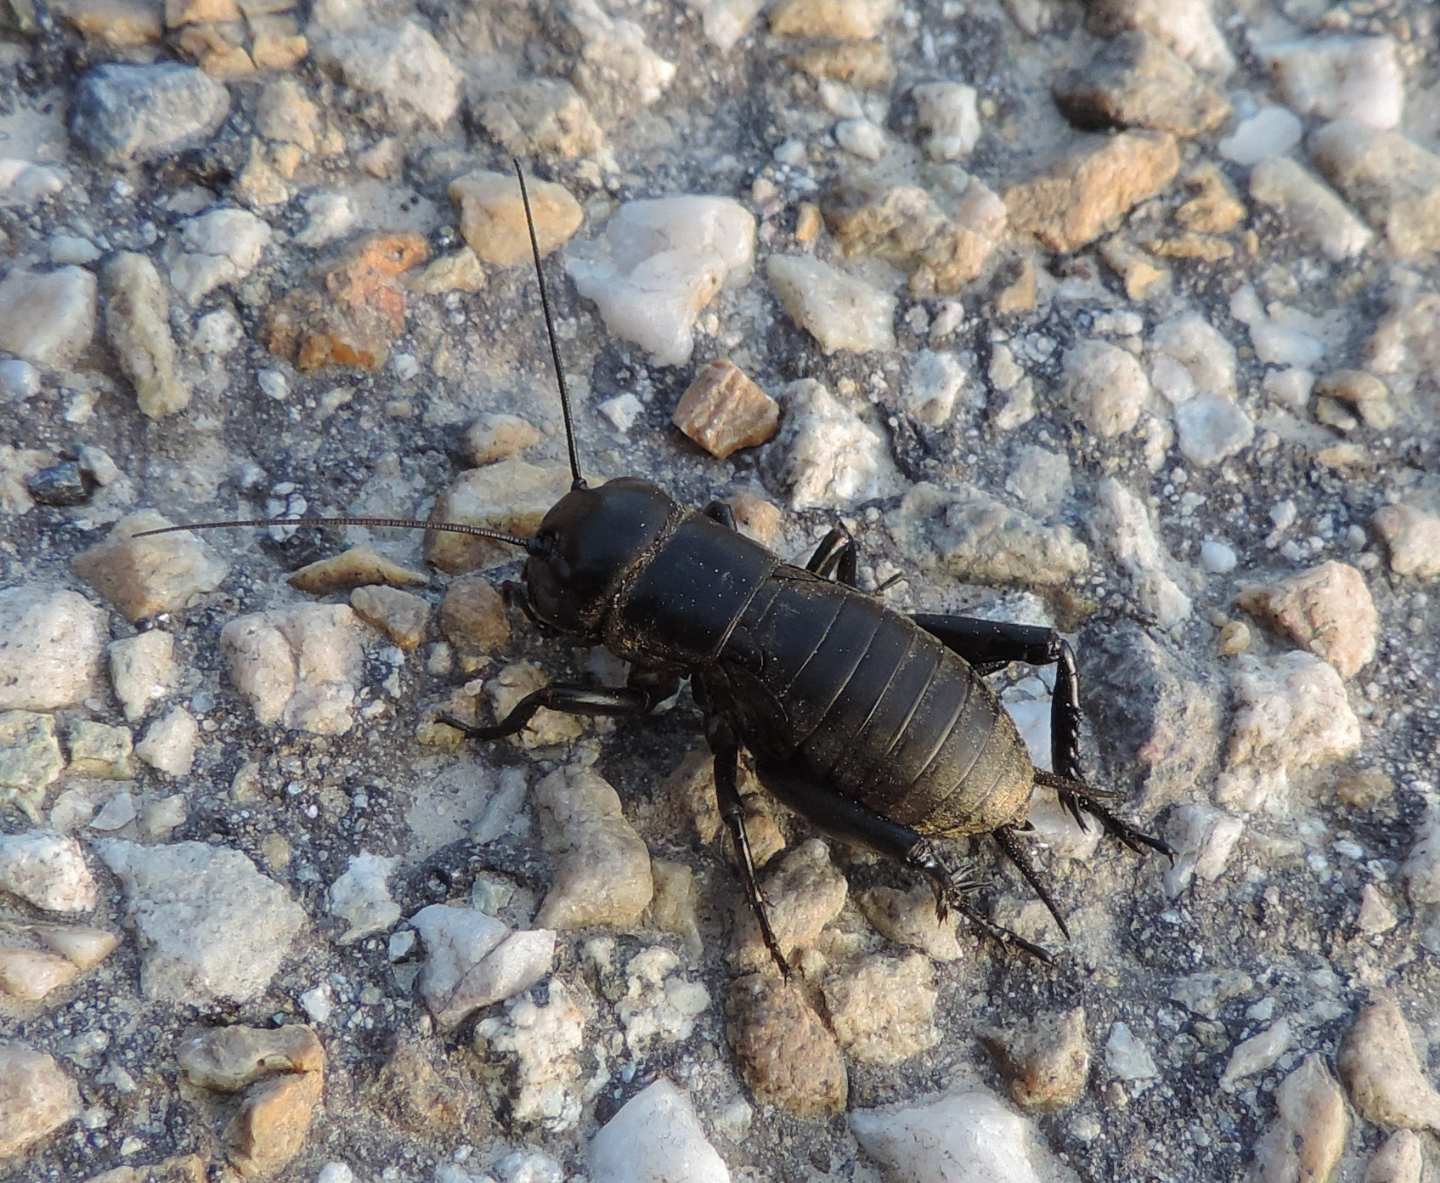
x,y
876,727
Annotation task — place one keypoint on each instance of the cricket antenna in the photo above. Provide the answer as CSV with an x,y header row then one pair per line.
x,y
579,482
398,523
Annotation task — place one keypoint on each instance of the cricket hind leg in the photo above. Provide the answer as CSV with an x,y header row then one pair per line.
x,y
856,825
989,645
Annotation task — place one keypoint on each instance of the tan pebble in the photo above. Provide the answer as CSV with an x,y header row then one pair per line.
x,y
28,975
1214,209
786,1055
909,918
882,1010
356,567
510,495
272,1124
492,217
673,906
1326,609
1234,638
1308,1135
459,271
275,851
496,436
807,891
808,223
229,1059
1077,200
724,411
473,616
863,63
410,1091
119,24
1045,1059
1019,295
1382,1072
36,1098
195,12
1413,536
758,518
1363,788
181,1168
1142,275
146,576
400,615
1400,1160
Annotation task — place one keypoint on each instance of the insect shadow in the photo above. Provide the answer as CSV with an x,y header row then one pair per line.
x,y
878,728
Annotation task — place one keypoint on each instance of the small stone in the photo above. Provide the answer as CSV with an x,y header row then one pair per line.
x,y
948,113
673,906
510,495
492,216
1401,1159
1202,838
300,666
62,484
964,1136
860,138
459,271
908,918
1106,387
615,68
1422,867
786,1055
602,866
137,323
1218,558
659,1005
142,670
472,616
838,310
1380,1069
401,63
543,1040
758,519
495,436
231,1059
51,641
117,813
409,1091
659,263
169,743
273,1122
1310,207
655,1137
540,117
866,64
1143,276
99,751
1186,26
113,24
19,380
209,925
30,759
806,891
1211,429
38,959
402,616
360,313
121,113
144,577
1308,1135
361,897
1128,1059
1393,181
622,411
936,380
473,961
48,317
1375,915
981,539
216,248
1075,202
826,454
1046,1059
882,1010
1191,357
1124,525
285,115
1257,1054
724,411
1290,709
1356,78
1412,534
359,566
844,20
36,1098
1136,81
47,870
1327,610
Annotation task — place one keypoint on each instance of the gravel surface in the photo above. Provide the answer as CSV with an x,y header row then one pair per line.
x,y
1118,317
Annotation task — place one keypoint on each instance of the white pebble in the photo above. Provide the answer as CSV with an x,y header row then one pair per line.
x,y
655,1138
273,385
622,411
1271,132
860,138
1216,557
